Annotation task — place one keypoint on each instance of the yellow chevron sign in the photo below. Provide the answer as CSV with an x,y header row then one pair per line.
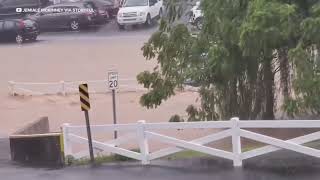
x,y
84,97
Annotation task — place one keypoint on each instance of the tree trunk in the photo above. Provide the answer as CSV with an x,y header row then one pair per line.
x,y
284,72
268,82
258,96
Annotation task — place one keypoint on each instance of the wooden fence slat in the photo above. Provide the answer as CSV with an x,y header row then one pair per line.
x,y
115,142
280,143
108,147
191,146
201,141
268,149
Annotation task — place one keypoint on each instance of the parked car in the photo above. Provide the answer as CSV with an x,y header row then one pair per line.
x,y
196,17
52,19
139,12
19,30
8,8
107,8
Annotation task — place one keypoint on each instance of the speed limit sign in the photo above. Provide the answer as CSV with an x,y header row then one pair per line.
x,y
113,82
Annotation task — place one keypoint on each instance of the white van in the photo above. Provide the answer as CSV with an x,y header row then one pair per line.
x,y
139,12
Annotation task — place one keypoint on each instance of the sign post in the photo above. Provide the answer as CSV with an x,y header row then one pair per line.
x,y
113,85
85,106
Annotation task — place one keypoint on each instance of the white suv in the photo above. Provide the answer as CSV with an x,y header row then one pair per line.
x,y
196,18
139,12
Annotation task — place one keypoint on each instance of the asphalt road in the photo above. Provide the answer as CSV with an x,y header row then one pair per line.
x,y
109,30
4,152
281,165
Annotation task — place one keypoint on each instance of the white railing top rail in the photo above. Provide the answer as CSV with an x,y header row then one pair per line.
x,y
188,125
280,124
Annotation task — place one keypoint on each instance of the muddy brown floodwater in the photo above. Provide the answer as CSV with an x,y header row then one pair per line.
x,y
73,60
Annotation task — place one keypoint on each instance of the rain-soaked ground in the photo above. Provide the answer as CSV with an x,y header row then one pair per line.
x,y
281,165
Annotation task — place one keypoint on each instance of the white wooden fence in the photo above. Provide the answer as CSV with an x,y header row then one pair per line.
x,y
233,128
70,87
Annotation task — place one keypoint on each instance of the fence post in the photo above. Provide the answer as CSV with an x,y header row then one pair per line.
x,y
67,148
236,142
11,87
143,143
63,88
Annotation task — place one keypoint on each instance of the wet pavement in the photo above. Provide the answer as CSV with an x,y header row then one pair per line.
x,y
281,165
93,33
106,31
4,151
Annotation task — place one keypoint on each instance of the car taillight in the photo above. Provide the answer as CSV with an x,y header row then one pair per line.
x,y
22,25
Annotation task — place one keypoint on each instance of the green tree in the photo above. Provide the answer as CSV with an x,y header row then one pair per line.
x,y
244,46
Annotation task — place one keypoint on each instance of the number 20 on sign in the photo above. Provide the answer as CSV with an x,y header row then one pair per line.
x,y
113,80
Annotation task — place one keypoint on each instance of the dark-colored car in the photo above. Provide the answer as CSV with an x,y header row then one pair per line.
x,y
8,8
19,30
111,6
73,16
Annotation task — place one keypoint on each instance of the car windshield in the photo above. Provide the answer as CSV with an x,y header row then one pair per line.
x,y
89,5
107,2
132,3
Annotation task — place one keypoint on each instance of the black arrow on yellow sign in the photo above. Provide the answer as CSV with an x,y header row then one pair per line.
x,y
85,106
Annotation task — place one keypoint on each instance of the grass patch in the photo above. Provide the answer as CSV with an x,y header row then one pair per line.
x,y
99,159
186,155
313,144
249,148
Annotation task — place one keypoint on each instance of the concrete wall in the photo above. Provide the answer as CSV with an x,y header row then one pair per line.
x,y
40,126
35,145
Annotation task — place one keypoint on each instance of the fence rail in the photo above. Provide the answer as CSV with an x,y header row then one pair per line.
x,y
71,87
236,129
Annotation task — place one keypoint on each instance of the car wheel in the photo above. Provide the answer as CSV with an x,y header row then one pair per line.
x,y
74,25
34,38
148,20
199,23
19,39
121,27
